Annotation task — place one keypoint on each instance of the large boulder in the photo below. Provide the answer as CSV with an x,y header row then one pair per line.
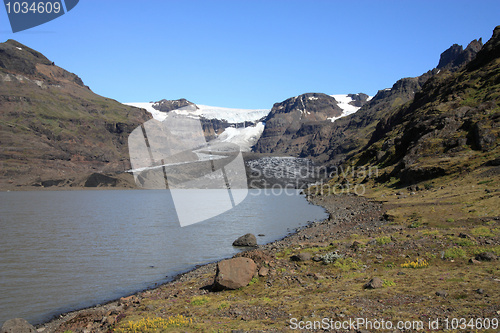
x,y
246,240
17,325
303,256
486,256
374,283
234,273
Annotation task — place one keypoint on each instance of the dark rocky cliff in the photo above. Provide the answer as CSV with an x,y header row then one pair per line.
x,y
54,129
287,133
451,126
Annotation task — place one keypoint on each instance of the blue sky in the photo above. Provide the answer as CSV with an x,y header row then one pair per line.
x,y
251,54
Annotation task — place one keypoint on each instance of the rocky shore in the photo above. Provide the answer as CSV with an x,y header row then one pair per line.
x,y
346,213
358,263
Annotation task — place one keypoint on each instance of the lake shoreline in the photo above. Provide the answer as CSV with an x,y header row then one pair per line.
x,y
335,206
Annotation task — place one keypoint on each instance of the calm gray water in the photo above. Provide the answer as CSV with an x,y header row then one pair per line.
x,y
65,250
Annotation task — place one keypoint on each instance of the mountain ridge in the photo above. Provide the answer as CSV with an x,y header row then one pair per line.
x,y
455,117
55,131
76,132
333,143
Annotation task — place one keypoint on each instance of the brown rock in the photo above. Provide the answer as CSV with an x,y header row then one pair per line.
x,y
260,257
246,240
355,245
374,283
303,256
317,258
486,256
474,261
234,273
263,271
17,325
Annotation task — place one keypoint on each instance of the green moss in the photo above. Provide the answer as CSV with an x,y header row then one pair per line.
x,y
347,264
253,281
388,283
454,252
463,241
383,240
482,232
200,300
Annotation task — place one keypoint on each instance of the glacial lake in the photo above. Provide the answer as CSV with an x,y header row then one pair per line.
x,y
66,250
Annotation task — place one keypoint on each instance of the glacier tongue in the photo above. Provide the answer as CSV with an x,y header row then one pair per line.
x,y
244,137
231,115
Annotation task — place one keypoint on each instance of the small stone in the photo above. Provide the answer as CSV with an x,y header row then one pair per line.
x,y
441,293
486,256
474,261
374,283
263,271
479,291
246,240
317,258
303,256
355,245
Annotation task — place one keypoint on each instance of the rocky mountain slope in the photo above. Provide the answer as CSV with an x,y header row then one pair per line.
x,y
295,121
53,129
451,127
331,143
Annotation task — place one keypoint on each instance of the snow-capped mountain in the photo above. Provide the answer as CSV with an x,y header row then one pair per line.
x,y
239,126
230,115
300,119
244,127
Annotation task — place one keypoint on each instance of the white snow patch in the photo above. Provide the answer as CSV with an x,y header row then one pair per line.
x,y
244,137
20,49
312,98
343,103
229,114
